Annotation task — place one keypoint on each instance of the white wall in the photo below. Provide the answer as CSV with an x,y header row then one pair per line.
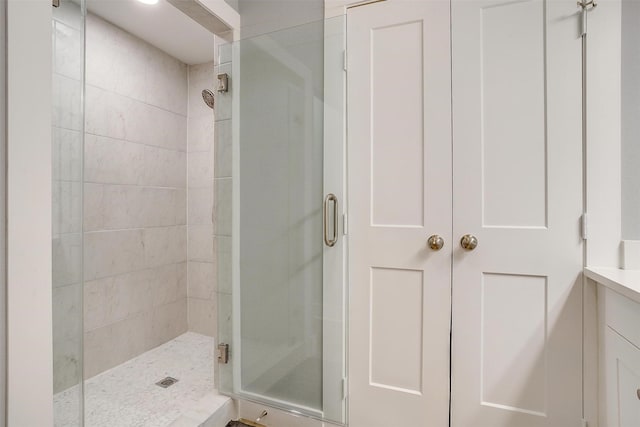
x,y
29,339
630,122
603,157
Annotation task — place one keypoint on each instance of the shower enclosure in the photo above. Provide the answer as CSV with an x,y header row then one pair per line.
x,y
166,233
282,297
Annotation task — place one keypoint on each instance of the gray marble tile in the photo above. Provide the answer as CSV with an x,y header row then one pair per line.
x,y
222,206
93,207
201,169
67,207
201,132
164,129
223,150
200,201
201,243
111,345
162,207
168,284
68,51
67,259
67,154
67,336
166,81
113,161
202,280
107,253
115,298
222,249
165,245
202,316
169,321
115,207
106,113
165,168
67,103
181,207
225,52
115,59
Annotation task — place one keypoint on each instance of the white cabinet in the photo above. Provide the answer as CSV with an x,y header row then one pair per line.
x,y
477,142
619,360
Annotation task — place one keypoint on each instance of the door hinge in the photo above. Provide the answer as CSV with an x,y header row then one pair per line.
x,y
345,388
55,3
584,226
345,224
223,353
344,60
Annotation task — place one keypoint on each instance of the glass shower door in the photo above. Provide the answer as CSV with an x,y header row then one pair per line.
x,y
68,141
283,312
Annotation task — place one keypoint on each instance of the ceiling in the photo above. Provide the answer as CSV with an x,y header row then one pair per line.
x,y
161,25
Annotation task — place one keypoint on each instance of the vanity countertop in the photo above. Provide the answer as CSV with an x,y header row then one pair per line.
x,y
624,282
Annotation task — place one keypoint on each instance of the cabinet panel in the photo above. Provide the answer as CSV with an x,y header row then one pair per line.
x,y
622,381
509,172
623,315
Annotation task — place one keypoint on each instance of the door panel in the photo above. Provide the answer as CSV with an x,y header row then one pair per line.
x,y
282,300
622,365
516,339
399,195
512,52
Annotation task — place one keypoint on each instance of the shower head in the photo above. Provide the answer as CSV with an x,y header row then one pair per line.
x,y
208,98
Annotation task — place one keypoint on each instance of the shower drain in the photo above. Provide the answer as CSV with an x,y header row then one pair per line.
x,y
167,382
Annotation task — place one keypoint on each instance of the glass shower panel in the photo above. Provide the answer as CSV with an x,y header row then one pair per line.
x,y
3,195
282,308
67,137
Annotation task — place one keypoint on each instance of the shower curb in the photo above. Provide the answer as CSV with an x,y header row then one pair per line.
x,y
213,410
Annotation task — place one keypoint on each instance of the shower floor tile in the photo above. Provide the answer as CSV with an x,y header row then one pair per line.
x,y
127,395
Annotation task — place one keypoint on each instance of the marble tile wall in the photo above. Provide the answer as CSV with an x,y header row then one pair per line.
x,y
202,264
135,197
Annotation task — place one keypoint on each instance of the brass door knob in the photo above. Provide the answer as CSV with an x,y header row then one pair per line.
x,y
469,242
435,242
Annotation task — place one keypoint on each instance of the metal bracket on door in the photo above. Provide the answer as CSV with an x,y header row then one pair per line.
x,y
334,239
223,353
55,3
591,4
586,7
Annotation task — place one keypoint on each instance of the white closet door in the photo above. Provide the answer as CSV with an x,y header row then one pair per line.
x,y
399,151
517,332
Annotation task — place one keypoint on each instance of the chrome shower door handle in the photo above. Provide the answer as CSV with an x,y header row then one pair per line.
x,y
334,238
